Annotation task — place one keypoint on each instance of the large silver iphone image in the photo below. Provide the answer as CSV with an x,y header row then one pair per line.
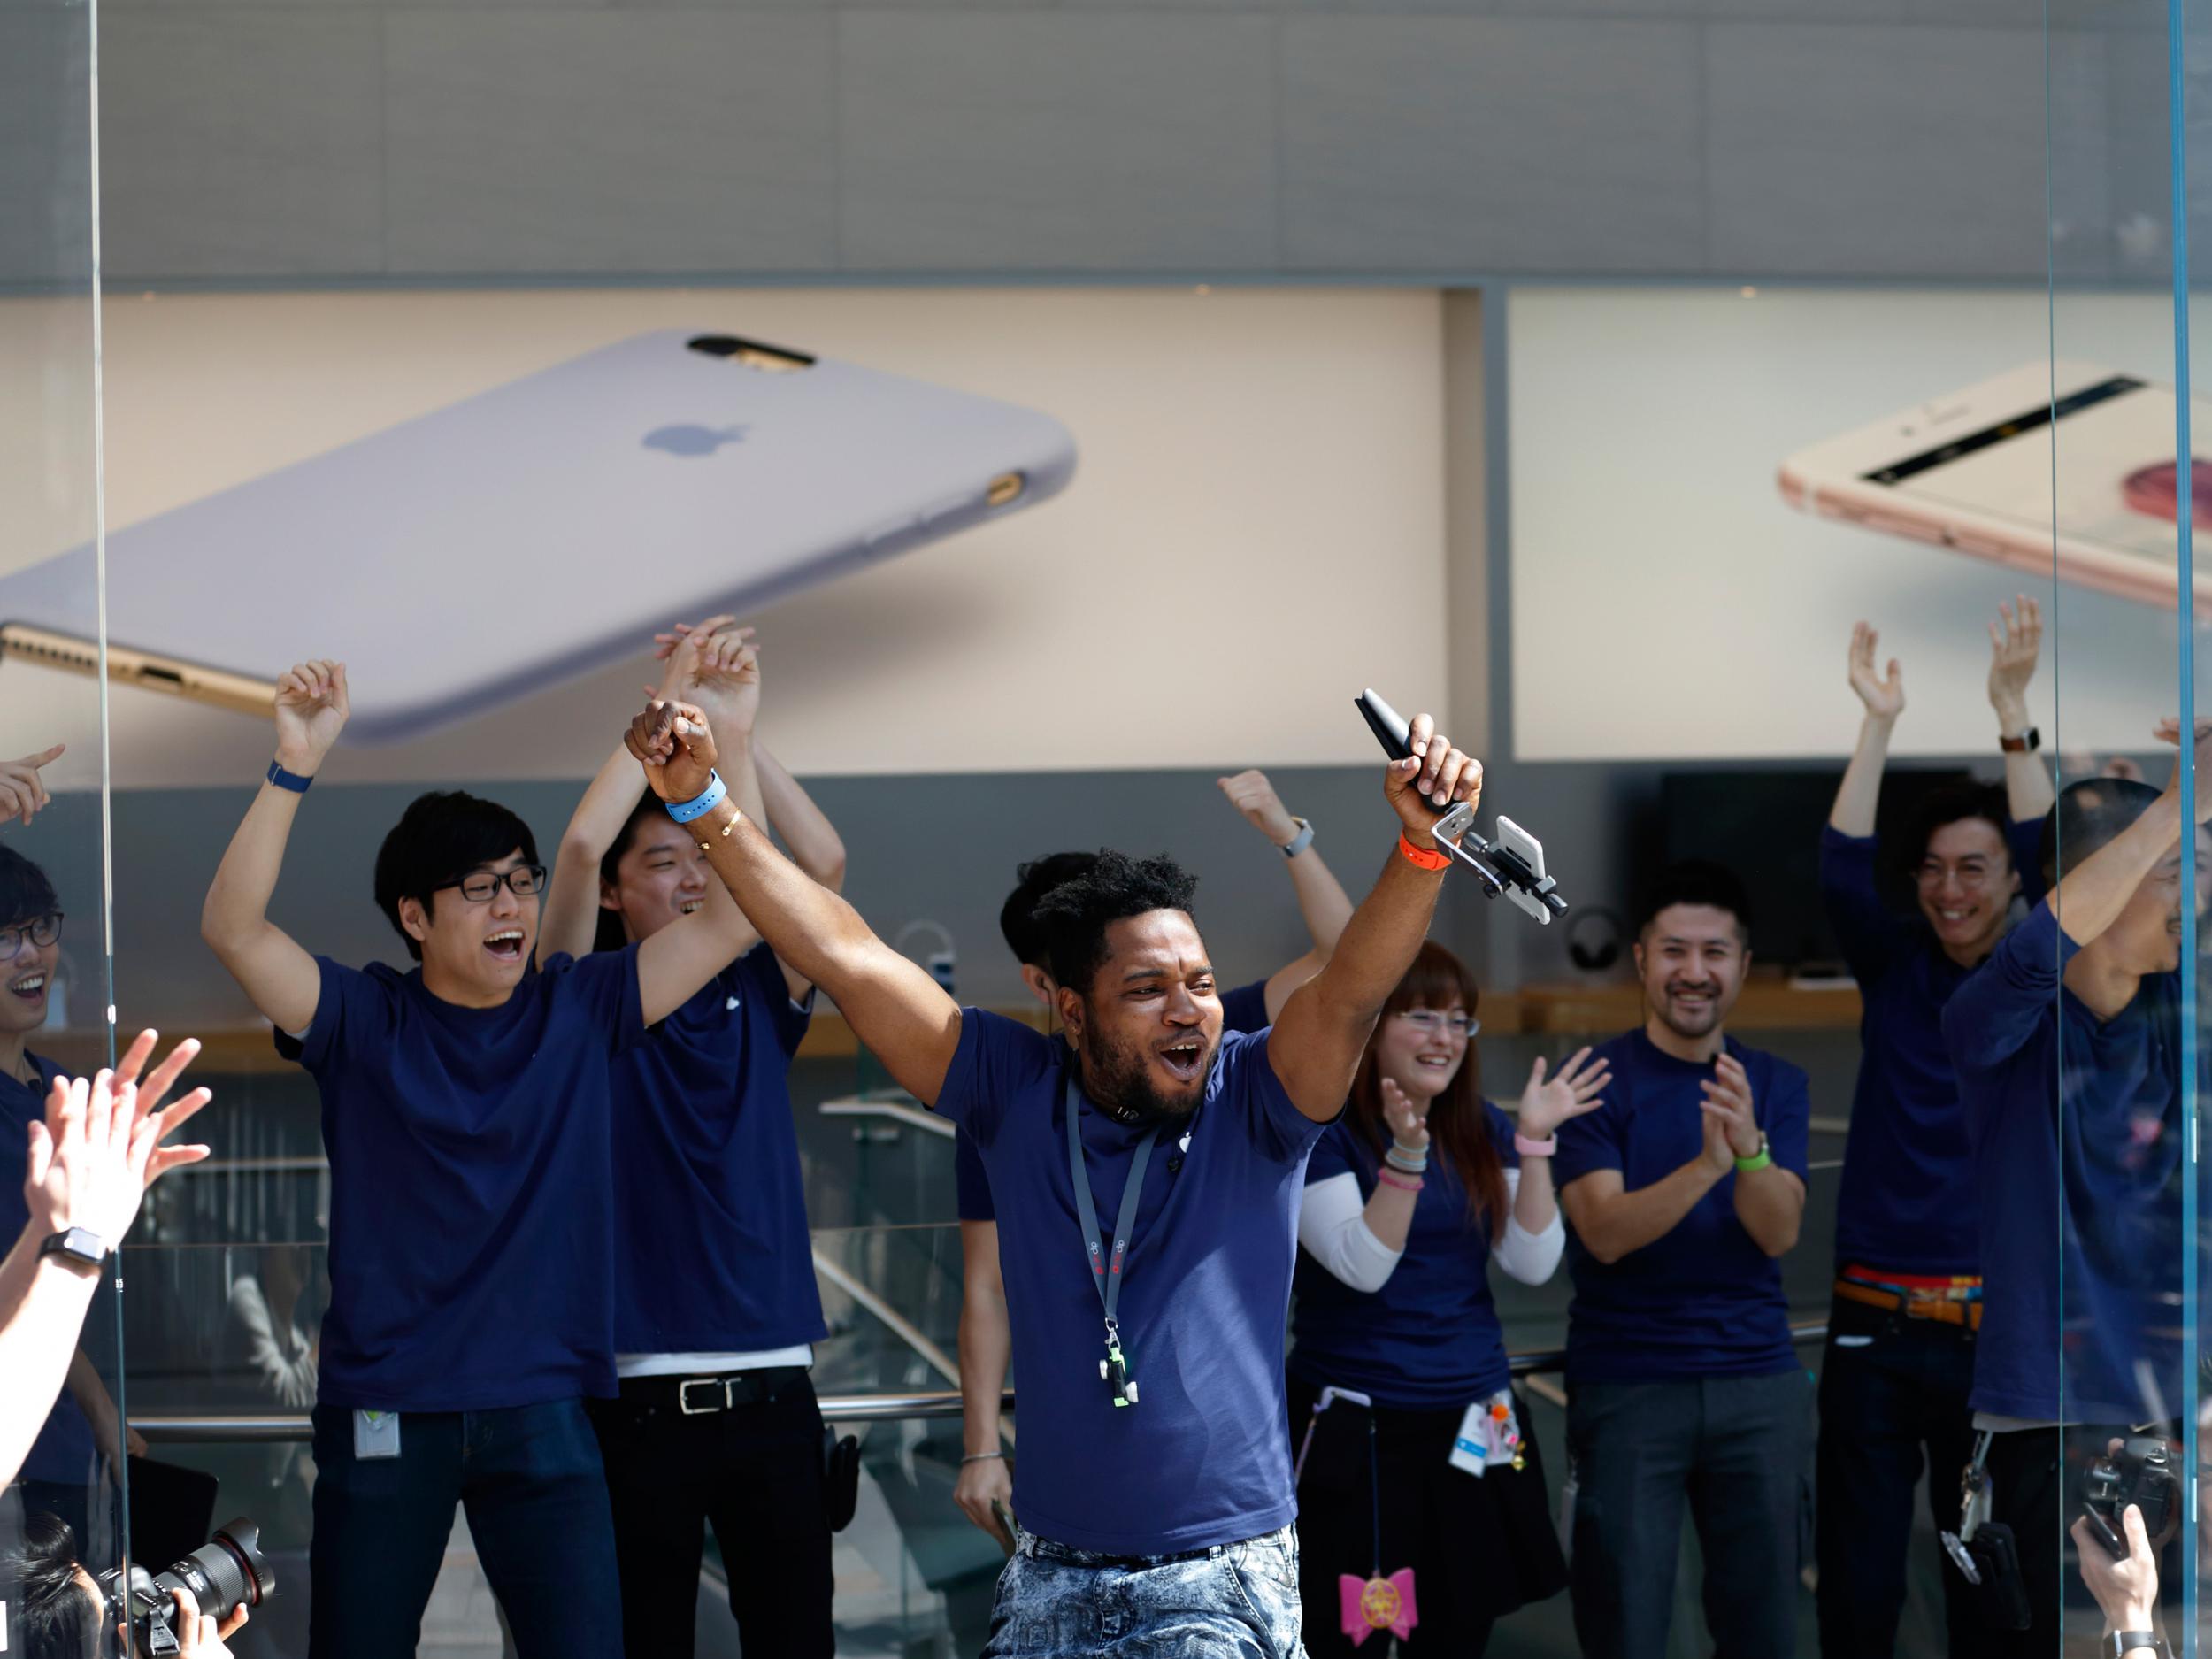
x,y
541,529
2061,468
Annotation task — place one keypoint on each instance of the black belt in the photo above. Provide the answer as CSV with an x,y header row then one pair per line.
x,y
1068,1556
702,1396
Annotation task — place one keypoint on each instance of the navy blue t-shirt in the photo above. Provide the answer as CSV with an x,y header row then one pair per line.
x,y
1244,1008
2077,1133
709,1209
1429,1340
64,1451
1703,1300
471,1215
1201,1459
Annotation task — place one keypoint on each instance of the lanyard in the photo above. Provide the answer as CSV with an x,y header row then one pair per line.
x,y
1105,1277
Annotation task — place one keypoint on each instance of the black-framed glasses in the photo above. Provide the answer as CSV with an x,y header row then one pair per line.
x,y
41,931
481,886
1428,1021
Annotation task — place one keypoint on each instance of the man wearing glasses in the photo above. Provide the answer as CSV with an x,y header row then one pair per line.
x,y
466,1113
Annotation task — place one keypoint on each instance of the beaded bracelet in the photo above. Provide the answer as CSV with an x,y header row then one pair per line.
x,y
1409,1166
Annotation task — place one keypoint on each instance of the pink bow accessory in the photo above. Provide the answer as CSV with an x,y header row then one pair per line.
x,y
1377,1603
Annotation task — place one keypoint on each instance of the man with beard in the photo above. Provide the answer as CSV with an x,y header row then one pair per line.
x,y
1147,1174
1682,1191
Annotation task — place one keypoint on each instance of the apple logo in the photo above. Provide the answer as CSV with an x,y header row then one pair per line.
x,y
694,440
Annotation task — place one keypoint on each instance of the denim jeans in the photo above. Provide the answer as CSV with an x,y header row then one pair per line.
x,y
530,1480
1055,1602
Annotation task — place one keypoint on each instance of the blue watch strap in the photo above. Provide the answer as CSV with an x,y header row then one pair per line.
x,y
701,804
291,781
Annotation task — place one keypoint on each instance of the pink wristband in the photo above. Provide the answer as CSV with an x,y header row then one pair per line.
x,y
1529,1149
1399,1182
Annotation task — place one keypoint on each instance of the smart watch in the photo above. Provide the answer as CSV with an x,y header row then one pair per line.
x,y
78,1244
1758,1160
2125,1642
2026,745
1299,842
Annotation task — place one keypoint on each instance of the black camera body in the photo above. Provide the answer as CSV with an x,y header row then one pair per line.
x,y
2141,1472
223,1574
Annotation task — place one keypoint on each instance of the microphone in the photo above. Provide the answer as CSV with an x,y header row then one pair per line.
x,y
1513,864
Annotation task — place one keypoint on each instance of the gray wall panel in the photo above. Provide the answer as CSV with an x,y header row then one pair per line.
x,y
990,141
1494,145
609,141
45,147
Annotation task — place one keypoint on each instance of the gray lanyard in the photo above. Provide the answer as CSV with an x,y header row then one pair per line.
x,y
1106,1277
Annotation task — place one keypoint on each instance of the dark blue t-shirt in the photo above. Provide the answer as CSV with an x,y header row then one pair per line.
x,y
64,1451
709,1207
1702,1300
1243,1009
2077,1133
1429,1340
1201,1459
471,1215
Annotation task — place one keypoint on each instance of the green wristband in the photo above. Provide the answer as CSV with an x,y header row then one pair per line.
x,y
1763,1160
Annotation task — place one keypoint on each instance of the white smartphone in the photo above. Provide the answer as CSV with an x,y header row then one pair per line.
x,y
541,529
2061,467
1513,839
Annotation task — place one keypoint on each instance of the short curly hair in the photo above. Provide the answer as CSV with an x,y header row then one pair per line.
x,y
1074,916
1018,916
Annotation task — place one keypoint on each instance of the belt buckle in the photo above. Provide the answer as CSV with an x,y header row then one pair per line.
x,y
720,1401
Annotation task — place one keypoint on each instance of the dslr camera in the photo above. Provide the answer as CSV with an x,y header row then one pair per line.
x,y
222,1574
2141,1472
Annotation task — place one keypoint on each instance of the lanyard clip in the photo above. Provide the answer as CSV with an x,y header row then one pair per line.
x,y
1114,1368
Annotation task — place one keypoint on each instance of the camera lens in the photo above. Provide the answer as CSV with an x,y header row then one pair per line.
x,y
225,1573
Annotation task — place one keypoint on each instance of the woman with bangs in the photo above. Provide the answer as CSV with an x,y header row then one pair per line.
x,y
1410,1198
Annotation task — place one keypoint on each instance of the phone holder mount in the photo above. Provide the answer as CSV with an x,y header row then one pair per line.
x,y
1501,866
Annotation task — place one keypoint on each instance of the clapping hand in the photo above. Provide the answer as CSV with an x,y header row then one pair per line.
x,y
1729,1110
1884,696
1576,1089
1409,1124
22,791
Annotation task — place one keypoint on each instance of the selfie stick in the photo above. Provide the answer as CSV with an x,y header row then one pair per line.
x,y
1499,869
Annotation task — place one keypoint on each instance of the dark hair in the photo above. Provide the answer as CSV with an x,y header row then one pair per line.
x,y
2088,815
440,838
610,934
1075,915
1017,917
1458,1126
24,891
56,1616
1697,881
1954,804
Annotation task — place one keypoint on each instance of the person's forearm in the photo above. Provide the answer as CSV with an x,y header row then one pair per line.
x,y
1860,793
1321,900
1389,1213
1616,1226
43,1304
1379,943
815,847
811,929
1536,1205
1771,1207
2027,792
2094,894
570,919
237,902
986,1351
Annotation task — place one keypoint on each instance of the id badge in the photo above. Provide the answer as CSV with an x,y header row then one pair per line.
x,y
375,1435
1470,1445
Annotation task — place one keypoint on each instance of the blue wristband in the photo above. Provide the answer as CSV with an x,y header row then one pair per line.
x,y
701,804
291,781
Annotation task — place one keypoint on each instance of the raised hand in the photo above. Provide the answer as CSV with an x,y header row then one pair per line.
x,y
1433,776
2169,730
1883,695
312,709
1251,794
1577,1088
1728,1106
715,665
22,791
95,1153
1409,1124
676,747
2015,640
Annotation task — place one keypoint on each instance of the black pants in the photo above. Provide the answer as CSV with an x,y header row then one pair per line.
x,y
754,1473
1892,1392
1733,1449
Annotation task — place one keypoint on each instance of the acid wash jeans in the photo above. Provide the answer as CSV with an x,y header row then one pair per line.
x,y
1058,1603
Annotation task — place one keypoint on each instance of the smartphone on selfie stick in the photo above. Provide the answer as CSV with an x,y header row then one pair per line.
x,y
1512,864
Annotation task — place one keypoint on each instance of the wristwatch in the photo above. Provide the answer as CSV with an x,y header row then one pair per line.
x,y
1299,842
78,1244
2026,745
1758,1160
2125,1642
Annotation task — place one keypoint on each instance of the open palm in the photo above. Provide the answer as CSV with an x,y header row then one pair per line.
x,y
1577,1088
1884,694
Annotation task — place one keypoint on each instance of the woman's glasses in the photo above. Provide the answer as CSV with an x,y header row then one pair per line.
x,y
1429,1023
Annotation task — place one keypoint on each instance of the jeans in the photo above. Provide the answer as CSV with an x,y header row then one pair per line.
x,y
1242,1600
1890,1388
753,1472
1734,1448
529,1479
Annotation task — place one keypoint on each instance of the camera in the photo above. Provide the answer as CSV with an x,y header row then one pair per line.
x,y
2141,1472
222,1574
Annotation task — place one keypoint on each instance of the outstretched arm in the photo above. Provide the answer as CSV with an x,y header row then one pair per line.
x,y
1315,1044
1860,793
2015,638
279,976
815,847
570,920
1321,900
897,1010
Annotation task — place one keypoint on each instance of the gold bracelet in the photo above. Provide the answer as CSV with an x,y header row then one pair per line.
x,y
737,817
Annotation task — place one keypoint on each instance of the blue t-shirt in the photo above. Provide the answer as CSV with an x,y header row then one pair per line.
x,y
471,1215
64,1452
709,1207
2077,1133
1244,1008
1702,1300
1429,1340
1201,1459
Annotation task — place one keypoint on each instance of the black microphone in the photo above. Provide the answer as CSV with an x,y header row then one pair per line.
x,y
1513,864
